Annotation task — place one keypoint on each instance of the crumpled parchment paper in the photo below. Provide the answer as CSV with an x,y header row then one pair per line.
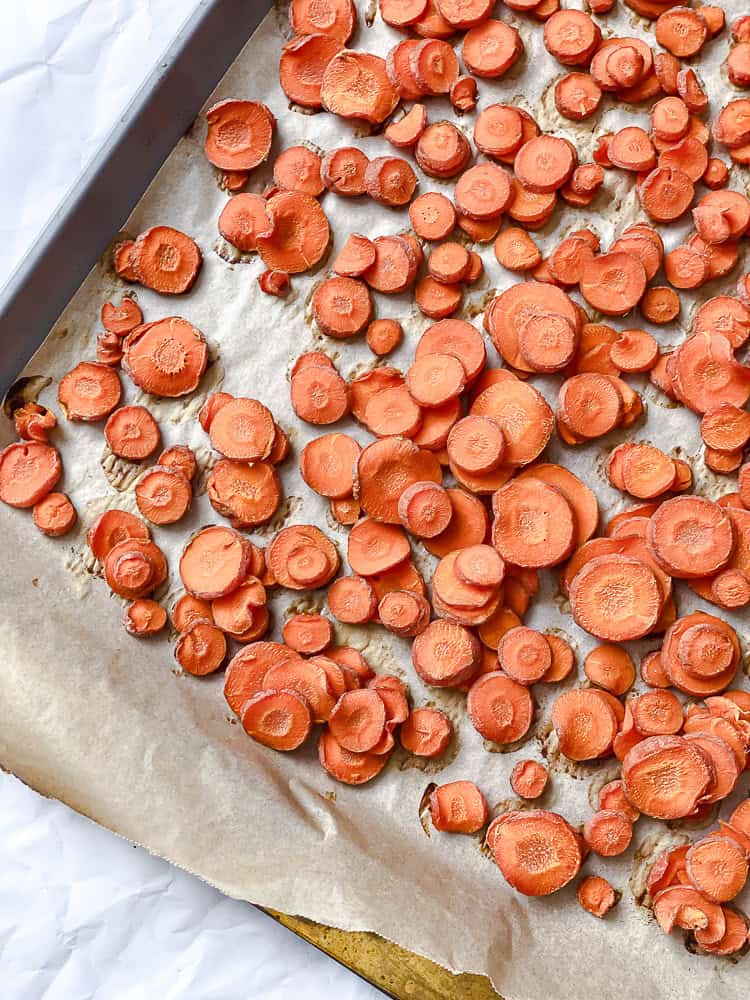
x,y
111,726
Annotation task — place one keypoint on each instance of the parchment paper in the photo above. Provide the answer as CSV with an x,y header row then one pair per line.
x,y
109,725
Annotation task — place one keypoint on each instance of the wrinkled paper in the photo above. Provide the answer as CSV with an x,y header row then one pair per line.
x,y
112,727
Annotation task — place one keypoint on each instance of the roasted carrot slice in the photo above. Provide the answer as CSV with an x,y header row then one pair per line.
x,y
299,236
385,469
690,536
666,776
533,524
426,733
132,432
243,219
519,839
357,720
33,422
319,394
445,654
717,866
458,807
529,778
166,260
165,358
327,465
610,667
279,719
134,568
522,413
29,471
355,257
500,708
343,171
733,939
596,895
524,655
342,307
384,336
442,150
89,392
390,181
608,833
247,669
458,338
395,266
351,599
123,318
214,562
491,48
239,134
346,766
54,514
201,649
144,617
189,609
356,85
111,528
332,17
585,724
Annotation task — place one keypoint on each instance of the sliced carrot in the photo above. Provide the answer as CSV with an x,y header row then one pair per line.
x,y
356,85
123,318
29,471
463,94
596,895
491,48
717,867
524,655
280,719
458,807
179,457
242,219
666,194
301,67
239,134
332,17
89,392
214,562
201,649
442,150
465,15
319,395
189,609
735,933
343,171
681,31
686,907
528,779
33,422
399,14
357,720
111,528
390,180
426,733
122,260
131,432
499,131
404,133
544,164
690,536
54,514
166,260
144,617
248,494
608,833
395,266
522,413
501,709
351,599
385,469
585,724
533,524
327,465
425,509
356,256
404,613
384,336
650,774
457,338
637,606
652,671
611,668
134,568
572,37
346,766
445,654
516,840
163,495
165,358
432,215
299,236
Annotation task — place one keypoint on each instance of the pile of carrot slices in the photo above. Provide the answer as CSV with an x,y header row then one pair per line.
x,y
453,514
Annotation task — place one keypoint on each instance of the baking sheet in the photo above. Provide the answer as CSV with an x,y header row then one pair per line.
x,y
110,726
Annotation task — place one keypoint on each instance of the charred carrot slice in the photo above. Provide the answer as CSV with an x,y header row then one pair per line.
x,y
458,807
28,472
165,358
54,514
516,838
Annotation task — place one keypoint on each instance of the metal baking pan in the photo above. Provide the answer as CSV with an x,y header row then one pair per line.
x,y
46,279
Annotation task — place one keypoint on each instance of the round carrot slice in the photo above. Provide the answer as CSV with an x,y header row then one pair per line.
x,y
356,256
608,833
476,444
166,260
342,307
524,655
144,617
457,338
165,358
123,318
528,779
436,299
346,766
611,668
400,14
726,315
327,465
390,180
356,85
243,429
249,494
239,134
28,472
533,524
544,164
463,94
242,219
666,193
343,171
445,654
425,509
613,283
163,495
386,468
54,514
384,336
112,527
506,315
132,433
329,17
681,31
432,215
501,709
585,724
596,895
537,851
299,236
134,568
395,265
277,719
357,720
352,600
666,776
201,649
375,547
491,48
404,133
246,670
572,37
690,537
634,609
442,150
581,499
301,67
214,562
89,392
458,807
426,733
468,525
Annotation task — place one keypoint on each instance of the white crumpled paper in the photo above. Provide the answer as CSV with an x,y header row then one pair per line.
x,y
111,727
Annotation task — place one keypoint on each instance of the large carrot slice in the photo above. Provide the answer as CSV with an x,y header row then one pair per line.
x,y
28,472
533,524
666,776
458,807
500,708
356,85
246,670
386,468
300,233
537,851
345,765
166,260
165,358
89,392
214,562
301,67
616,598
278,719
239,134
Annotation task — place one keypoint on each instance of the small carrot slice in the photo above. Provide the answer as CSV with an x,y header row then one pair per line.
x,y
189,609
681,31
516,838
132,432
572,37
144,617
425,509
529,778
239,134
384,336
123,318
524,655
585,724
690,536
544,164
426,733
331,17
319,395
135,568
54,514
442,150
29,471
463,94
375,547
279,719
214,562
432,215
596,895
639,598
357,720
458,338
458,807
491,48
346,766
445,654
351,599
111,528
390,181
468,525
166,260
242,219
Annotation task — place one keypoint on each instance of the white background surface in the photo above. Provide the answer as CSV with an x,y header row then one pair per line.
x,y
83,914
